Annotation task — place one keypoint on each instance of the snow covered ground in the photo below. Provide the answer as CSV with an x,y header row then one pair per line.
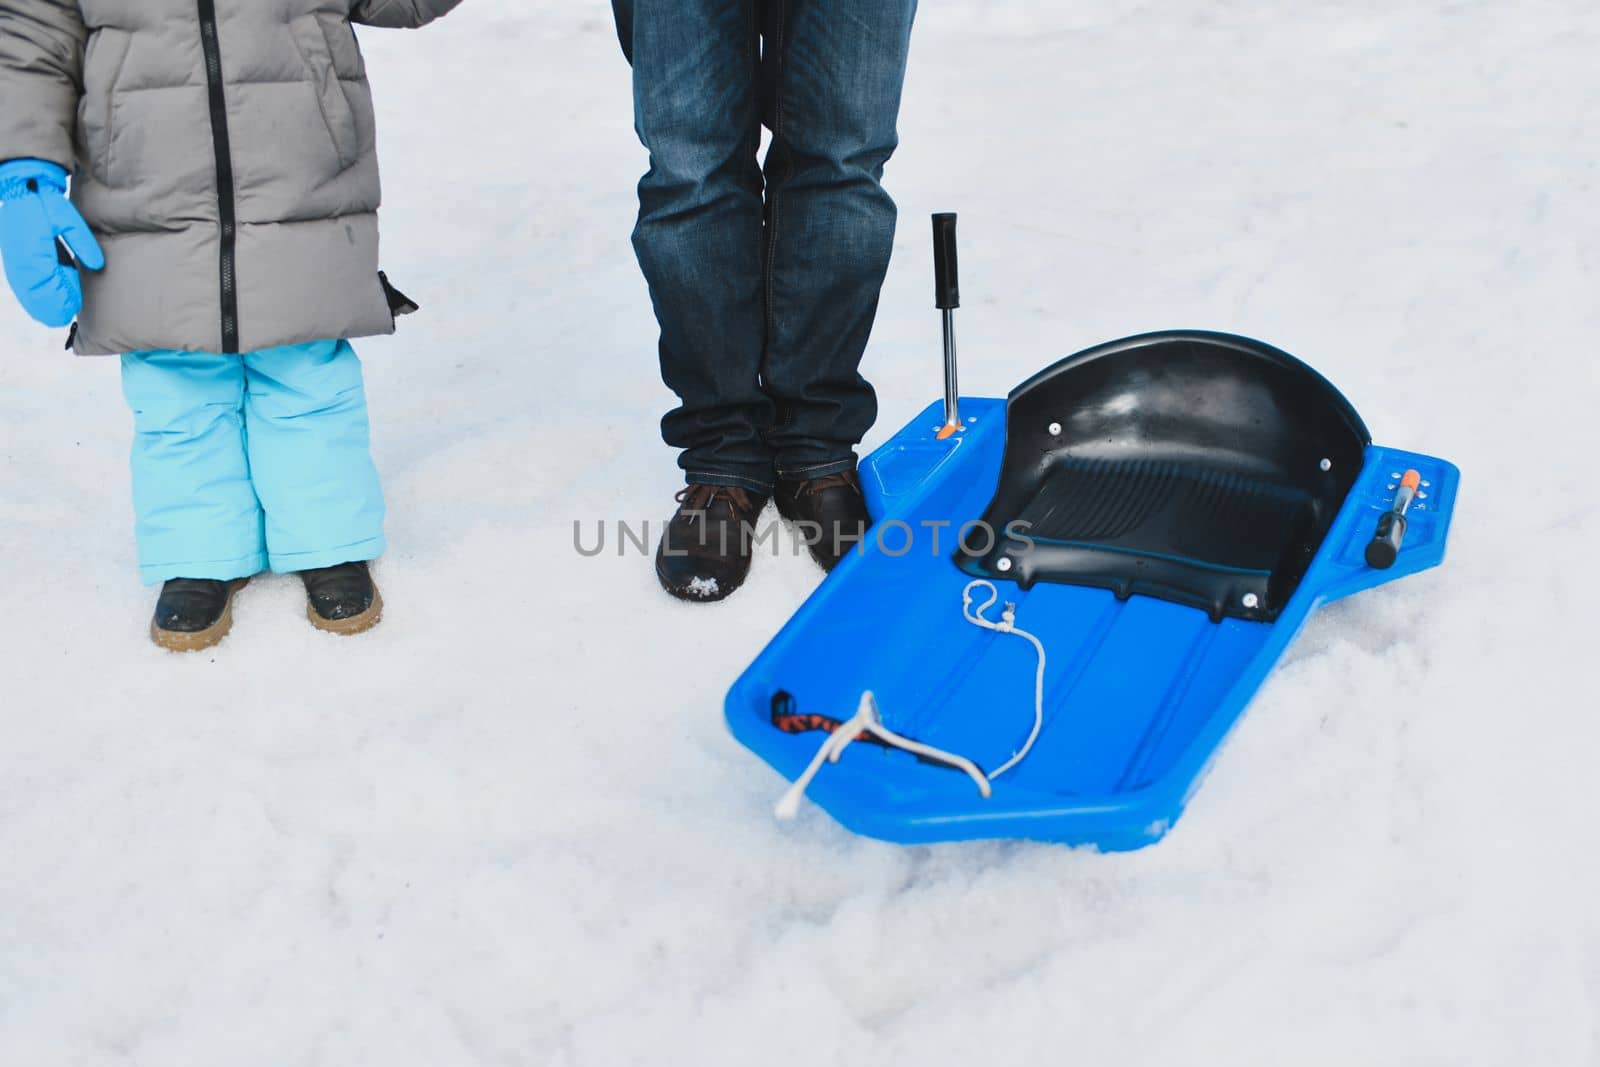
x,y
508,827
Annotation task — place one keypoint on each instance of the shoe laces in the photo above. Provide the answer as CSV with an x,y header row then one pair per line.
x,y
702,497
841,480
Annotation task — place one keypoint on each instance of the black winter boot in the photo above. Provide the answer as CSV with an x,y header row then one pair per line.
x,y
342,599
831,510
705,552
193,613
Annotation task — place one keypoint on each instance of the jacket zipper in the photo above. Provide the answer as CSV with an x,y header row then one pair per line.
x,y
226,208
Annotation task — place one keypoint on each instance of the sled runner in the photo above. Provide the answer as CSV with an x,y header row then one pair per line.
x,y
1166,510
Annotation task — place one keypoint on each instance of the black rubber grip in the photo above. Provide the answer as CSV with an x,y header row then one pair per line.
x,y
1384,548
946,274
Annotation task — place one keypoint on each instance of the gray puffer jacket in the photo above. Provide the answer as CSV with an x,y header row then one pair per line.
x,y
224,153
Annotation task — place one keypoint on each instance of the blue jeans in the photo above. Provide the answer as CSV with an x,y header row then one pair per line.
x,y
765,275
245,462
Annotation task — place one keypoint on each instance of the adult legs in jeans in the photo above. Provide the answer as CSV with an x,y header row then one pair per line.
x,y
697,109
834,72
765,286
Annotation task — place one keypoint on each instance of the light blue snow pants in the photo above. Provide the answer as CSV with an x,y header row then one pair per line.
x,y
246,462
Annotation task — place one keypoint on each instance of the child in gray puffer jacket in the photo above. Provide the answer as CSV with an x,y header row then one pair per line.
x,y
222,238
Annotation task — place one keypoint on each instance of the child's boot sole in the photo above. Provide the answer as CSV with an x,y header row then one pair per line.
x,y
199,640
356,624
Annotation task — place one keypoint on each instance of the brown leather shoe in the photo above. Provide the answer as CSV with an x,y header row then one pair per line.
x,y
831,512
706,550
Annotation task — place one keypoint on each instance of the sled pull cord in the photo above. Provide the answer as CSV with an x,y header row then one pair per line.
x,y
947,297
1007,625
868,720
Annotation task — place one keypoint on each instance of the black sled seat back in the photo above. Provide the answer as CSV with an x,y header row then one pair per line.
x,y
1196,467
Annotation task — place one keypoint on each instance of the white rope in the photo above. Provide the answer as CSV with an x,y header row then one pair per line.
x,y
1007,625
868,720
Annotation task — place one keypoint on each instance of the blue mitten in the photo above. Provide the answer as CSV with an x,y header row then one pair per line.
x,y
44,240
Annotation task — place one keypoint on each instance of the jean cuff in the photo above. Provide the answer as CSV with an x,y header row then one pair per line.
x,y
734,481
817,470
359,552
216,570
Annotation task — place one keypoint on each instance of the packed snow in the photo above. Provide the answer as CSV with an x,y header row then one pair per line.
x,y
509,828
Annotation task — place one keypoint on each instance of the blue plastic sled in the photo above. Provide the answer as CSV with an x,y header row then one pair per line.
x,y
1168,511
